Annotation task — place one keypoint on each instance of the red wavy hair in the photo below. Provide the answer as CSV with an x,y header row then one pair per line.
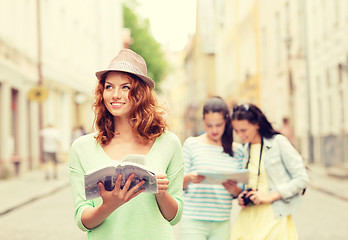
x,y
147,116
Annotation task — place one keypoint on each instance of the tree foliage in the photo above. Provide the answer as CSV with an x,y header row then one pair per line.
x,y
144,43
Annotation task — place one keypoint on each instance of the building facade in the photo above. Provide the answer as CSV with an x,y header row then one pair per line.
x,y
328,80
288,57
58,45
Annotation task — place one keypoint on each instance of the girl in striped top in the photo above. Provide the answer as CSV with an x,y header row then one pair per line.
x,y
207,207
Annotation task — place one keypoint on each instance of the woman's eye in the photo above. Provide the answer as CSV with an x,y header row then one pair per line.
x,y
108,87
126,87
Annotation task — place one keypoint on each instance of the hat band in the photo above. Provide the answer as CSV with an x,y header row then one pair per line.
x,y
125,66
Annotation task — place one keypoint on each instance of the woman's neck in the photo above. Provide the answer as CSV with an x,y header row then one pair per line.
x,y
256,140
123,128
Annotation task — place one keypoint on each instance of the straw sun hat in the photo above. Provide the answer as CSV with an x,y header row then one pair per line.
x,y
129,62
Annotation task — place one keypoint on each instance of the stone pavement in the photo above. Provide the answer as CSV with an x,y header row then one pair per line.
x,y
332,181
30,186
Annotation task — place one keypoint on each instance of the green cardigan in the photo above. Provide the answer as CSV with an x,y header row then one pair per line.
x,y
140,218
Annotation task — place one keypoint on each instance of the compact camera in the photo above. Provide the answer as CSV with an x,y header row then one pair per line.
x,y
246,199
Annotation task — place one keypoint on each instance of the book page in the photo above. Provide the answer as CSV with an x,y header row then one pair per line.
x,y
108,175
141,173
240,176
104,175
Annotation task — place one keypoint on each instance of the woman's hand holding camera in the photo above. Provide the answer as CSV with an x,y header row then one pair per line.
x,y
257,197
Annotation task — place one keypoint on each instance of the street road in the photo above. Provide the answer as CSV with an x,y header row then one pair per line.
x,y
49,218
321,217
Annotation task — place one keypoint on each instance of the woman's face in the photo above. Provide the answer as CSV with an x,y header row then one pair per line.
x,y
214,124
246,131
115,95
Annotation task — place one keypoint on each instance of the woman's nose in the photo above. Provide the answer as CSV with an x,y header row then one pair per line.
x,y
117,93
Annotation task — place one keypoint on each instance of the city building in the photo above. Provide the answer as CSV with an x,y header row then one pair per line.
x,y
49,52
288,57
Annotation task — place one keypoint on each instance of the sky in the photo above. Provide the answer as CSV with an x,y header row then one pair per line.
x,y
172,22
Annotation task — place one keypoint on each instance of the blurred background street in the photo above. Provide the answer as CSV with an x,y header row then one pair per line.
x,y
288,57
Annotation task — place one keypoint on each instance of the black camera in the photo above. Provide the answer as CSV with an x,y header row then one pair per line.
x,y
246,199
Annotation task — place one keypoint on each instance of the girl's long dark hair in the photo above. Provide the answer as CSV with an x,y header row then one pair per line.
x,y
217,104
254,115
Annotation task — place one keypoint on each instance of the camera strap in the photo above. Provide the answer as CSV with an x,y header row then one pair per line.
x,y
259,167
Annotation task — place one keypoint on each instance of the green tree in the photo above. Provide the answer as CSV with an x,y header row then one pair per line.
x,y
144,43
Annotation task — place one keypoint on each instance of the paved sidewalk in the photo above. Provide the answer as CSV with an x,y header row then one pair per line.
x,y
16,192
326,180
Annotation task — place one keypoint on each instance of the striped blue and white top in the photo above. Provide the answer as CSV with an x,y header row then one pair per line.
x,y
204,201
